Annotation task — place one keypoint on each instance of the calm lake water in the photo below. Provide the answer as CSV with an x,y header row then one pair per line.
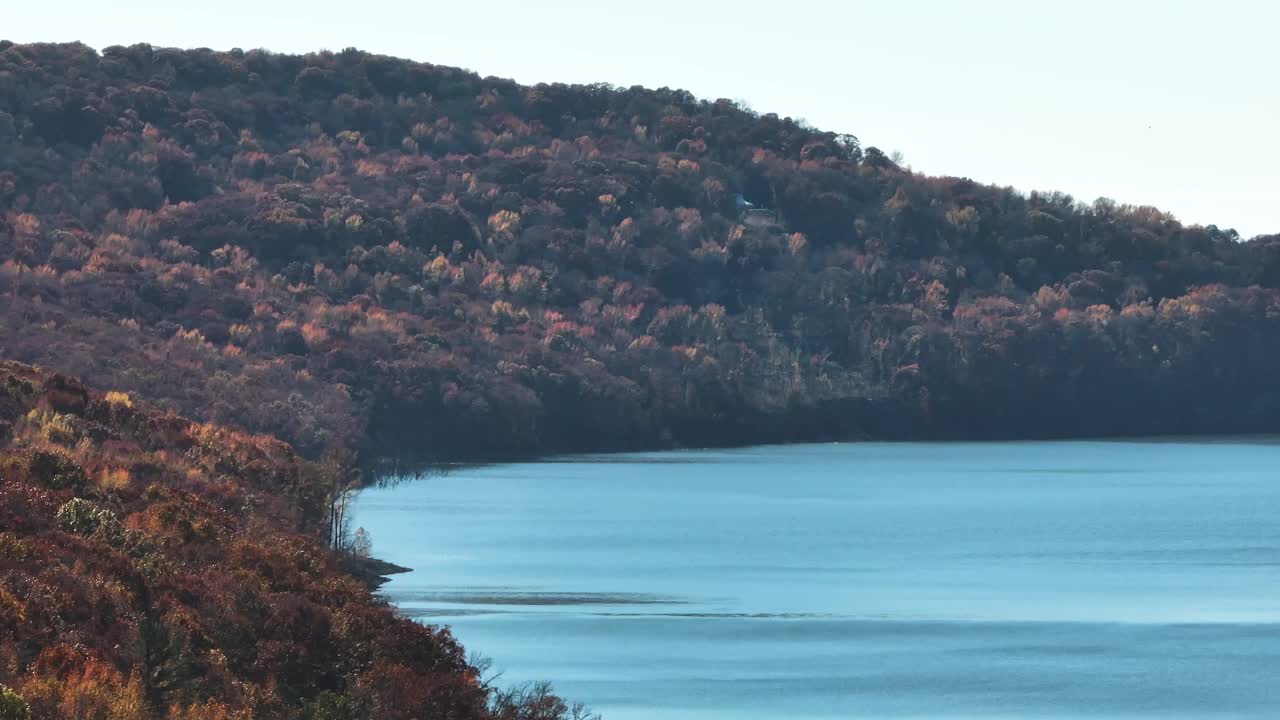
x,y
1010,580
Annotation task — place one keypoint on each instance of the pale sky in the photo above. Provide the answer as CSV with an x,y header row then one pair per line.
x,y
1172,103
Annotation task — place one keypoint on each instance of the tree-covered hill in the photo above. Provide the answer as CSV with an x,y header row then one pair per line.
x,y
348,250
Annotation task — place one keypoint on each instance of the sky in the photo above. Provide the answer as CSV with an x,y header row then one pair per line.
x,y
1174,103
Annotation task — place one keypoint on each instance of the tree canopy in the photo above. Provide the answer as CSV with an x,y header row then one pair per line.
x,y
349,250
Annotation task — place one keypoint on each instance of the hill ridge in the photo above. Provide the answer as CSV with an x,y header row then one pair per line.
x,y
353,251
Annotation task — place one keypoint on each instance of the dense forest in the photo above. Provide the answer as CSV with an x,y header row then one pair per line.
x,y
353,251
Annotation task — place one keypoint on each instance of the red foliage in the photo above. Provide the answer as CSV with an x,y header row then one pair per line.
x,y
180,597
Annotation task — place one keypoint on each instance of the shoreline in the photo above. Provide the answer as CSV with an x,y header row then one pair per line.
x,y
375,572
371,571
386,467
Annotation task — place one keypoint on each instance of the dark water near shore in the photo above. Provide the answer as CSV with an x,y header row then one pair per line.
x,y
1051,580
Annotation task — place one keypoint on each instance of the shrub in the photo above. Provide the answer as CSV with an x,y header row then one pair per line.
x,y
53,426
328,706
114,479
52,470
208,710
13,547
82,517
118,398
12,706
18,388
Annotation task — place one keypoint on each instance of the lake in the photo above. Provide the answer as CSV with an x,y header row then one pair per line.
x,y
1136,579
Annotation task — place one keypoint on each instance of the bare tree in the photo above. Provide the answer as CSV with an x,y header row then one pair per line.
x,y
361,543
340,480
535,701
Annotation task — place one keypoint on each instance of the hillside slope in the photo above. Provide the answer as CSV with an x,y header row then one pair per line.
x,y
348,250
154,567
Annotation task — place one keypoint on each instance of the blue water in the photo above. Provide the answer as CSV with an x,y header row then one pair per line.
x,y
1010,580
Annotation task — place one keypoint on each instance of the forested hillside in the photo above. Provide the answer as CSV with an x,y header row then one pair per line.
x,y
353,251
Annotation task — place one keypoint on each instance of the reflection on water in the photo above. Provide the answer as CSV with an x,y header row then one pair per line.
x,y
1072,580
